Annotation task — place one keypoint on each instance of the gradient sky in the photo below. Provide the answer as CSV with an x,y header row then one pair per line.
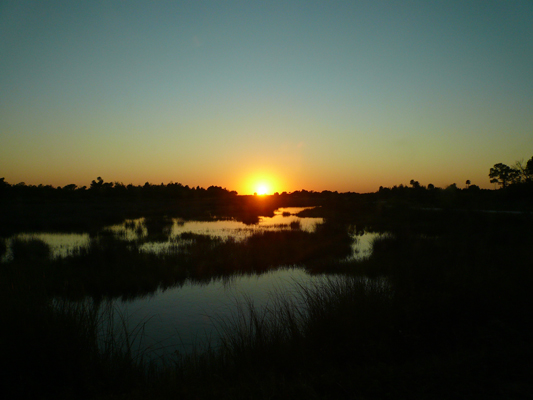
x,y
316,95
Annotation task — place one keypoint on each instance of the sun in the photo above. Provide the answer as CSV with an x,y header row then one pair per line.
x,y
262,189
261,184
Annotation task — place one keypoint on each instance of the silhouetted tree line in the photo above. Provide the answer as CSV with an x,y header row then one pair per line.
x,y
100,188
516,187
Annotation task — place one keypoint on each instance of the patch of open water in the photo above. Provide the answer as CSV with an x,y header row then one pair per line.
x,y
182,319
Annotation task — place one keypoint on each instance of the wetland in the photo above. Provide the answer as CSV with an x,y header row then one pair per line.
x,y
292,296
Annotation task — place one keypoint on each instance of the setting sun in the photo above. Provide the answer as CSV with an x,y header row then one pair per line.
x,y
261,183
262,189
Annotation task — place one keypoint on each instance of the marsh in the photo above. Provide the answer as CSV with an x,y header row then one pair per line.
x,y
327,292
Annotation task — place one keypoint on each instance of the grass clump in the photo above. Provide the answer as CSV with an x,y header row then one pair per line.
x,y
29,249
54,349
3,247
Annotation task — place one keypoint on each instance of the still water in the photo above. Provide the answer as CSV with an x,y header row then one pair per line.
x,y
180,318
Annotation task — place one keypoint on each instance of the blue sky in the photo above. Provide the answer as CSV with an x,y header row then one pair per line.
x,y
345,96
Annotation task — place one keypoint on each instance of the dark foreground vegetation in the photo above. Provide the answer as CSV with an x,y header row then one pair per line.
x,y
441,309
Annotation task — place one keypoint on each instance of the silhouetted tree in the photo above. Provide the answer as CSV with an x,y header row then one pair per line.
x,y
526,170
97,184
503,175
216,191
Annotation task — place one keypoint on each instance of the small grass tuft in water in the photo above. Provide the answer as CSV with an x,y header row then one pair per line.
x,y
30,249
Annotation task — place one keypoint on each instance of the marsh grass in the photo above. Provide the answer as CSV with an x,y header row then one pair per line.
x,y
423,317
30,249
308,323
295,225
3,247
59,349
112,267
